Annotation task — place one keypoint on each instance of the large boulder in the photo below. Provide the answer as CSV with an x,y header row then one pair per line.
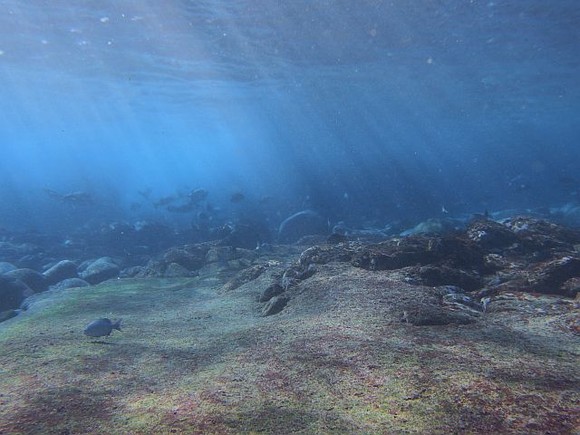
x,y
100,270
6,267
303,223
189,257
12,293
60,271
33,279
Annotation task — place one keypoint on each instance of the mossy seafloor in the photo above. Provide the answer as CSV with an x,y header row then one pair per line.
x,y
193,358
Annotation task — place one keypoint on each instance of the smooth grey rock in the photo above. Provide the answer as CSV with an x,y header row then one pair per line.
x,y
6,267
8,314
33,279
12,293
100,270
60,271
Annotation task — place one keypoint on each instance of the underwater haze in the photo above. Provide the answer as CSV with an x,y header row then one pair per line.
x,y
361,110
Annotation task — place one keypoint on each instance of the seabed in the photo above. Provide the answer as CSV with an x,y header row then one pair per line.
x,y
196,356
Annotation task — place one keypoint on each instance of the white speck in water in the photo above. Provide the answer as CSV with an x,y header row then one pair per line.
x,y
104,19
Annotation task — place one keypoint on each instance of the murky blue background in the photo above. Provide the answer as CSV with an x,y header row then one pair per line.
x,y
360,109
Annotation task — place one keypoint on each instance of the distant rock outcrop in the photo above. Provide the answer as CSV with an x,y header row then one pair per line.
x,y
303,223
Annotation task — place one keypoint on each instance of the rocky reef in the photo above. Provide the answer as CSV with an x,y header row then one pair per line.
x,y
471,331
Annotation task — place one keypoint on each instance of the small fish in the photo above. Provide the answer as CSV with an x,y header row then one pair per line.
x,y
102,327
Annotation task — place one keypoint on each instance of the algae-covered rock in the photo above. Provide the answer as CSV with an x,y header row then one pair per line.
x,y
60,271
175,270
425,315
275,305
550,276
33,279
8,314
272,290
443,275
490,234
100,270
190,257
12,292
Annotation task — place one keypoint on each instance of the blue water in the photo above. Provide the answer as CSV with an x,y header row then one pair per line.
x,y
363,110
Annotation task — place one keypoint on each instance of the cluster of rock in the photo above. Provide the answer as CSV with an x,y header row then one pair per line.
x,y
208,258
469,265
464,268
17,284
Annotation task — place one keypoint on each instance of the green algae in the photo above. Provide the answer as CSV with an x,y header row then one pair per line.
x,y
193,360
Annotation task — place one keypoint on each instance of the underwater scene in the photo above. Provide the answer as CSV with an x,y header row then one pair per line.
x,y
289,217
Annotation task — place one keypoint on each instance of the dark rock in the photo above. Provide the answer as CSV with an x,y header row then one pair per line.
x,y
271,291
303,223
60,271
8,314
549,277
443,275
490,234
541,235
397,253
429,315
70,283
455,251
12,292
6,267
191,257
419,250
33,279
100,270
325,254
132,272
153,269
175,270
275,305
458,300
297,273
571,287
